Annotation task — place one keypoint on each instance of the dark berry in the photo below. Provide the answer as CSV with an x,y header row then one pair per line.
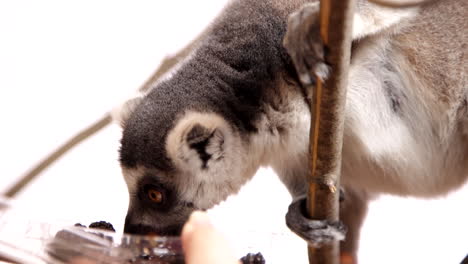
x,y
102,225
253,259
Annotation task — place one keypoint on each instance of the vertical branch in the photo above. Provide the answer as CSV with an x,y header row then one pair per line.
x,y
326,138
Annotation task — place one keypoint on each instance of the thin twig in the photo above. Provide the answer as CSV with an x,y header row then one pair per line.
x,y
54,156
34,172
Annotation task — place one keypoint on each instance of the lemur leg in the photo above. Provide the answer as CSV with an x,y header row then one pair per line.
x,y
353,210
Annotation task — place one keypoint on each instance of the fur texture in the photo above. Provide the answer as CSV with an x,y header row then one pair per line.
x,y
235,104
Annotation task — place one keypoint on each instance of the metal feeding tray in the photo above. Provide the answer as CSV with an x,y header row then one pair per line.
x,y
24,240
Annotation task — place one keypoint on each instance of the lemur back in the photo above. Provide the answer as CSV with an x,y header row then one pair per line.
x,y
407,105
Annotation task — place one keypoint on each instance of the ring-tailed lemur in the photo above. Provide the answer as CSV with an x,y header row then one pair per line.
x,y
235,104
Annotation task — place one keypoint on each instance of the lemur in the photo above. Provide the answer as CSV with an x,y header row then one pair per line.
x,y
235,103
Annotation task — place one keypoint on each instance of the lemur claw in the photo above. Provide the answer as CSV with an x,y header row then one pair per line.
x,y
304,45
315,232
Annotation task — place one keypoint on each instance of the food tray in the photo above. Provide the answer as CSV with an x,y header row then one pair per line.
x,y
27,240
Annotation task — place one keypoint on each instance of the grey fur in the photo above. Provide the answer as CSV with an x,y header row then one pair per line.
x,y
241,60
235,104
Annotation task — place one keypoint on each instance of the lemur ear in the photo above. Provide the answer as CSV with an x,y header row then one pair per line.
x,y
200,142
207,144
121,113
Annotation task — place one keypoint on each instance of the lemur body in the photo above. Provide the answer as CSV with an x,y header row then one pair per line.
x,y
235,104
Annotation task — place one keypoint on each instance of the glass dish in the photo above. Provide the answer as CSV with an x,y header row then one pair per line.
x,y
33,237
27,240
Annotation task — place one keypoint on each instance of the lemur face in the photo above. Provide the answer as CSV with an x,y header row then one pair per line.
x,y
155,206
173,167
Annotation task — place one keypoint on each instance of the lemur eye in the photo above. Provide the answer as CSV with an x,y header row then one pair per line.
x,y
155,195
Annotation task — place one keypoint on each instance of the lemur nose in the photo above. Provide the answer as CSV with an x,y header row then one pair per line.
x,y
141,229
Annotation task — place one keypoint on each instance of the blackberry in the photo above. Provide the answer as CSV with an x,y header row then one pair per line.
x,y
102,225
253,259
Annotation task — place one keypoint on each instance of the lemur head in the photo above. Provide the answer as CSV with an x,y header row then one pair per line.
x,y
176,161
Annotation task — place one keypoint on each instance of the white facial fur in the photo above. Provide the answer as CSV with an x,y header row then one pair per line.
x,y
226,170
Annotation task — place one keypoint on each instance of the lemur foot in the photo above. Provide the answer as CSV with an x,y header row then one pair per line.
x,y
304,45
315,232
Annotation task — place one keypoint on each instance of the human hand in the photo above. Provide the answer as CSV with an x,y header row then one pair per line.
x,y
203,244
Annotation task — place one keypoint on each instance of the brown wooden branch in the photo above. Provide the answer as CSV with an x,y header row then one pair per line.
x,y
56,154
328,121
327,108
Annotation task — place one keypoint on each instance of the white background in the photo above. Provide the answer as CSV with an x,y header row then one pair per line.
x,y
64,64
